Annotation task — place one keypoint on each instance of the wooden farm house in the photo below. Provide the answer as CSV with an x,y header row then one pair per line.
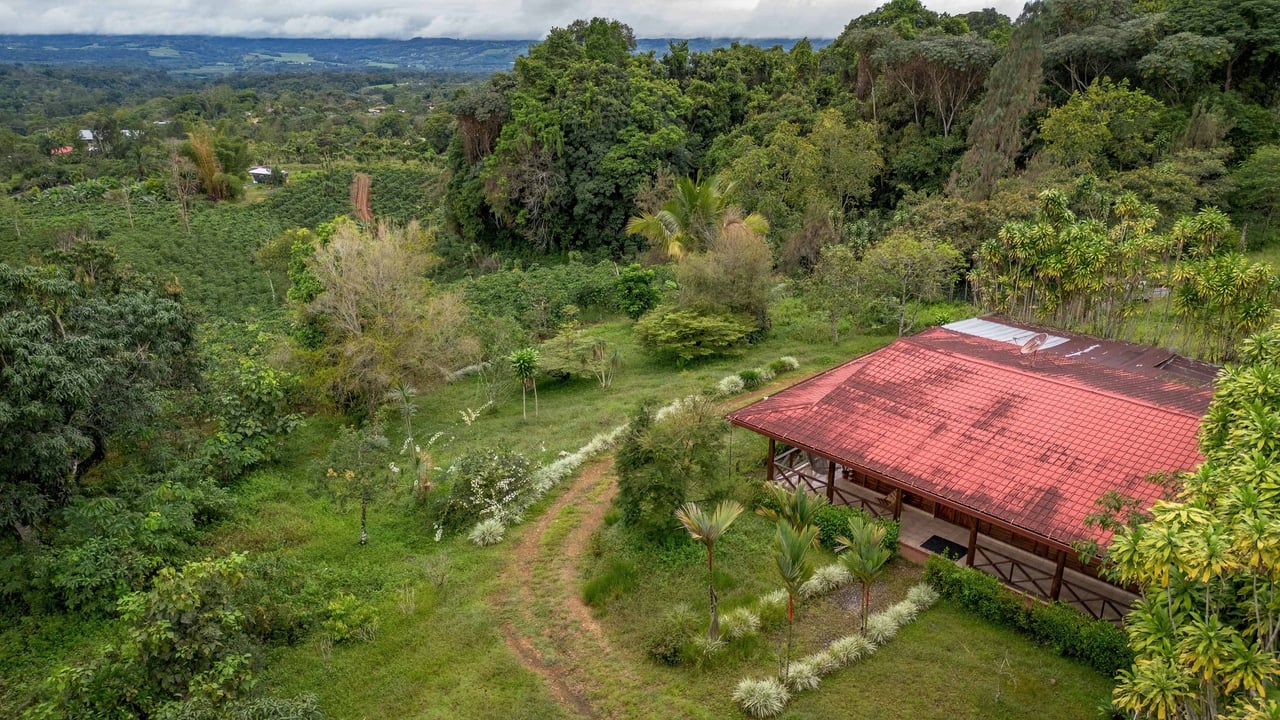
x,y
994,441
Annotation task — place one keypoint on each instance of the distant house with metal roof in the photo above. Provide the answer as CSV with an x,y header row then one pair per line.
x,y
994,440
264,174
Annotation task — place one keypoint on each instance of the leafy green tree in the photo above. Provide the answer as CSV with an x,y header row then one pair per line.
x,y
688,335
1104,126
836,286
636,290
707,528
1204,633
88,351
863,554
525,365
664,461
905,272
186,640
1257,192
578,352
791,549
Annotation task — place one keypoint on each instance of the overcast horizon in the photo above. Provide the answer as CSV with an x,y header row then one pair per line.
x,y
464,19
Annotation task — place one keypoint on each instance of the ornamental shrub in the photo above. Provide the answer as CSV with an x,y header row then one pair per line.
x,y
485,484
824,580
851,649
487,532
881,627
803,675
750,378
739,623
687,335
730,385
761,698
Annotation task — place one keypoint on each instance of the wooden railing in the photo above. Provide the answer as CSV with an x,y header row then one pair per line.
x,y
1015,573
1093,603
1037,583
787,472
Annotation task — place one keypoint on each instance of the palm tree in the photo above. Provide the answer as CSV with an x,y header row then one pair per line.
x,y
796,508
863,554
524,363
707,529
791,556
694,217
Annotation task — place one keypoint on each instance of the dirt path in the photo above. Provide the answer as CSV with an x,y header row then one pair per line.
x,y
547,625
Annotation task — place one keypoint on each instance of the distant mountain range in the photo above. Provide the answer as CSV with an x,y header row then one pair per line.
x,y
204,55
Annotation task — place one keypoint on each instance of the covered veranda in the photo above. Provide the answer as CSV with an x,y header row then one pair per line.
x,y
1036,568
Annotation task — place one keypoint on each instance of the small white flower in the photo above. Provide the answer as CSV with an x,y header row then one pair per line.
x,y
394,468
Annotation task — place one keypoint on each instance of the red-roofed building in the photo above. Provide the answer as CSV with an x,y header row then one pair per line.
x,y
63,150
1006,448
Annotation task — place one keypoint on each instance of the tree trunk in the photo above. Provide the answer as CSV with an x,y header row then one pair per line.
x,y
524,400
713,632
535,398
866,605
364,527
26,533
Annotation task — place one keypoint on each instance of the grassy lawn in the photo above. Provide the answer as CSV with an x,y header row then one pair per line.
x,y
954,664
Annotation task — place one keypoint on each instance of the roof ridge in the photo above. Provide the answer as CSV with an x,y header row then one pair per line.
x,y
1068,382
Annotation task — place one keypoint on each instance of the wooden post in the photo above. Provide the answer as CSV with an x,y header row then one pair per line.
x,y
973,542
1056,588
831,482
772,449
897,504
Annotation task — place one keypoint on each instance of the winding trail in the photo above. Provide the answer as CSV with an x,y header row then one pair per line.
x,y
546,623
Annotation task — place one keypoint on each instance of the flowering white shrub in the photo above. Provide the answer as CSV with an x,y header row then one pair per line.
x,y
761,698
789,362
487,532
730,385
765,374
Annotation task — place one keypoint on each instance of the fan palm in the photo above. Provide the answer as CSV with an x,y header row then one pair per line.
x,y
707,529
863,554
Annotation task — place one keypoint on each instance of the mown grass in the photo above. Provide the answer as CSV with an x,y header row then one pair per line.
x,y
955,664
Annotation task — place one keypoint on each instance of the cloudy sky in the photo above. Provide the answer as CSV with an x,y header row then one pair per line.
x,y
521,19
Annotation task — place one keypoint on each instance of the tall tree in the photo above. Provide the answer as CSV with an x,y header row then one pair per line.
x,y
87,350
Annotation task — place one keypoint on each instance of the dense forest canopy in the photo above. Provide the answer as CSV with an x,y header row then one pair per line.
x,y
167,319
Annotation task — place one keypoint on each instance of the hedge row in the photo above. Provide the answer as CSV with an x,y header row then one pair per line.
x,y
1097,643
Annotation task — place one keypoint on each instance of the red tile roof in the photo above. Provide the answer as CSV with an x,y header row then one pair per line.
x,y
1028,442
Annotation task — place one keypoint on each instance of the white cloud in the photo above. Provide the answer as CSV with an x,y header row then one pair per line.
x,y
529,19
